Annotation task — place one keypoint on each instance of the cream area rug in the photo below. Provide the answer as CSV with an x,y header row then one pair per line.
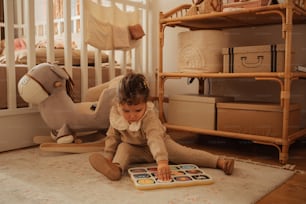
x,y
32,176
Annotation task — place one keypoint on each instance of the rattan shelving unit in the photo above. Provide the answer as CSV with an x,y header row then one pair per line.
x,y
287,15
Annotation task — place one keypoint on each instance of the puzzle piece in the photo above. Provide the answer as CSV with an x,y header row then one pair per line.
x,y
145,178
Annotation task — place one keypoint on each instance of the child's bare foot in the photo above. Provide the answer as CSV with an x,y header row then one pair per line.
x,y
227,165
105,167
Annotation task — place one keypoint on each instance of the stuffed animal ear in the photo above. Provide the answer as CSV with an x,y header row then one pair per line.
x,y
60,72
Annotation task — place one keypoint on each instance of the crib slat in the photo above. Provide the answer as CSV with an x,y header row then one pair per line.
x,y
67,34
84,59
145,51
98,65
30,32
9,52
50,31
19,19
112,64
98,68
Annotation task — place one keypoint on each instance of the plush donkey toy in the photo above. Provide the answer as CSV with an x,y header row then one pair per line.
x,y
49,86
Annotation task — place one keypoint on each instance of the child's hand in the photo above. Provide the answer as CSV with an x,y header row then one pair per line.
x,y
163,171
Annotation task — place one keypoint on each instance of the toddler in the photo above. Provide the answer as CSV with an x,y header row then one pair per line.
x,y
137,135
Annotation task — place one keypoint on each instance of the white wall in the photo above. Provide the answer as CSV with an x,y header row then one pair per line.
x,y
170,50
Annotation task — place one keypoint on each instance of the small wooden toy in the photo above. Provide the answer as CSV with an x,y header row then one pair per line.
x,y
145,178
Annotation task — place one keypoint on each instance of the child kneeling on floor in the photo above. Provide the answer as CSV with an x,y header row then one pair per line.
x,y
137,135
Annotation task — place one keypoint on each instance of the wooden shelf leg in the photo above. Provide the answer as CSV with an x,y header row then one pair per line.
x,y
284,154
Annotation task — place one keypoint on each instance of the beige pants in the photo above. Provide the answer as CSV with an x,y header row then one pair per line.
x,y
127,154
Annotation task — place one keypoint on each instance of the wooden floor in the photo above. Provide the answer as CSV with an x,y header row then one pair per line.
x,y
291,192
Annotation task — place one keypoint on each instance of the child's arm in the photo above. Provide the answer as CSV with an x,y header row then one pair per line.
x,y
111,142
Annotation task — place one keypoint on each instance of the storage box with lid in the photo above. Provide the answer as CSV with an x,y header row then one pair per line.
x,y
256,118
194,110
261,58
244,4
201,50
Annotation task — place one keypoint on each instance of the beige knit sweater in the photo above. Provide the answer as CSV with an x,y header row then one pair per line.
x,y
149,131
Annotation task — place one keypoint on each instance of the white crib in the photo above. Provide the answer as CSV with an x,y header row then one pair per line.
x,y
23,18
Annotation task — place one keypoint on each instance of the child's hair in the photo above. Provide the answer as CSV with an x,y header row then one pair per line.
x,y
133,89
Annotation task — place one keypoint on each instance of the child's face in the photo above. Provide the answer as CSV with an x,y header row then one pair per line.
x,y
133,113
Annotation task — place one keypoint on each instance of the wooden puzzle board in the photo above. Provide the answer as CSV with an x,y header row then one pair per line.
x,y
144,178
